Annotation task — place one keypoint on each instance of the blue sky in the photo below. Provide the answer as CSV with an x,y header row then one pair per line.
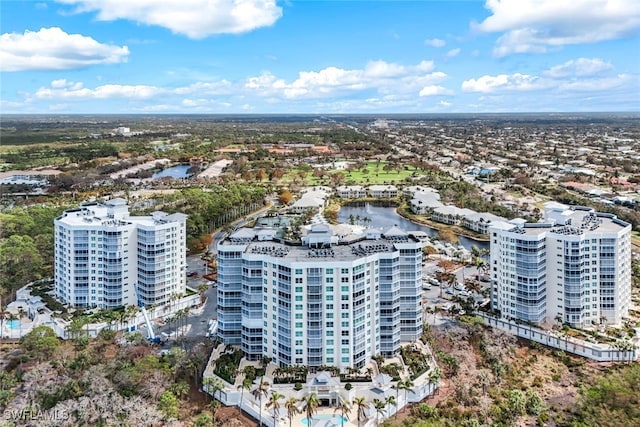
x,y
271,56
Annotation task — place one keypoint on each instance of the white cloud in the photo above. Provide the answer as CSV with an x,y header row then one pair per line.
x,y
435,42
454,52
61,89
578,77
445,103
502,82
384,77
535,25
579,67
53,49
434,90
193,18
603,84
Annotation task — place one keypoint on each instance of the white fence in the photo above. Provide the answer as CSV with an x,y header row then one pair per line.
x,y
598,352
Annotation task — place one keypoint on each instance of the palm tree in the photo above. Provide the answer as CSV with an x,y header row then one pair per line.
x,y
180,389
202,288
435,375
344,406
259,392
361,405
380,407
406,385
21,314
310,406
391,400
246,385
274,401
212,386
291,406
397,387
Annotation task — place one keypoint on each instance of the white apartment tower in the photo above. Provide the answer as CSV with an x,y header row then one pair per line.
x,y
574,266
326,300
105,258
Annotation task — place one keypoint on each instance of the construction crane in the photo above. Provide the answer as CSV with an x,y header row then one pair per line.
x,y
151,336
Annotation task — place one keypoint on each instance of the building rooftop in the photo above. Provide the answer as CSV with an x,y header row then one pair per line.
x,y
321,242
100,214
578,220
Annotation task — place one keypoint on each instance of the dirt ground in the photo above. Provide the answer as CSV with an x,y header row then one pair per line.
x,y
230,416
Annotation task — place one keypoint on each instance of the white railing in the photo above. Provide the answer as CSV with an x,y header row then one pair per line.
x,y
593,351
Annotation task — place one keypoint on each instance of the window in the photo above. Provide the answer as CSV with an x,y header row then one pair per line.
x,y
298,324
329,271
329,324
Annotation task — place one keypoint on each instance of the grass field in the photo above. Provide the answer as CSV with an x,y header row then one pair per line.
x,y
372,174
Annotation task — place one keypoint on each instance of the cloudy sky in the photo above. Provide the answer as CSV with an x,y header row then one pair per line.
x,y
299,56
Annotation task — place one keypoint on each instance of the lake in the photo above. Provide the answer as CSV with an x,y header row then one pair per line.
x,y
385,217
177,172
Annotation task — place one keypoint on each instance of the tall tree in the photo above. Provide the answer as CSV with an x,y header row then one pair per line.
x,y
344,406
291,406
310,406
259,392
361,406
380,407
406,385
274,402
246,385
391,400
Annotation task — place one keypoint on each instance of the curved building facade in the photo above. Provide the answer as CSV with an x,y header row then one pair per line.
x,y
327,300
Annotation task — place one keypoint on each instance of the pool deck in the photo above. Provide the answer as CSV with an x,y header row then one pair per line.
x,y
323,411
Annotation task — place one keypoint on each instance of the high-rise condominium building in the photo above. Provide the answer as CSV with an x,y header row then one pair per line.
x,y
328,300
574,267
106,258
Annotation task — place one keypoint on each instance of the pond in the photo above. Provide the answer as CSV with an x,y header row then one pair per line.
x,y
176,172
386,216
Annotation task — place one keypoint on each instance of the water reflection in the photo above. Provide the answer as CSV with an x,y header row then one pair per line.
x,y
177,172
386,216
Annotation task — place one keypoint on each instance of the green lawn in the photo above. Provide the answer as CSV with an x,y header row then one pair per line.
x,y
374,173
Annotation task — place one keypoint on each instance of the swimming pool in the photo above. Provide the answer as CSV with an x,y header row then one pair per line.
x,y
13,324
338,420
